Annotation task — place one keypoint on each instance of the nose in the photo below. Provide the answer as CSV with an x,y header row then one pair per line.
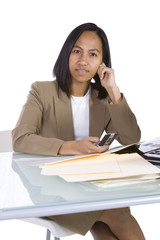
x,y
83,60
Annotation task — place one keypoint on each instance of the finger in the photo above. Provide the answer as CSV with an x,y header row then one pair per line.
x,y
100,149
94,139
103,148
103,66
102,70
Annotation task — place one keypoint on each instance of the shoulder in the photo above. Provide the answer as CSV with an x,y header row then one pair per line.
x,y
47,90
45,87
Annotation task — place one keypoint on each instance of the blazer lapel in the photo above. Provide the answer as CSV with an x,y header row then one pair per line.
x,y
97,115
63,111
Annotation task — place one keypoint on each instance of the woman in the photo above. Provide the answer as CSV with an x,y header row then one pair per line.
x,y
68,115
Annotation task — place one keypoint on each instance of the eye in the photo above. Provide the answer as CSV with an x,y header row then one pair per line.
x,y
93,54
76,51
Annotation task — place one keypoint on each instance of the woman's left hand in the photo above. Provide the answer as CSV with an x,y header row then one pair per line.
x,y
107,79
106,76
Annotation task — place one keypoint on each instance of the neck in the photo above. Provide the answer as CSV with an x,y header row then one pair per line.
x,y
79,90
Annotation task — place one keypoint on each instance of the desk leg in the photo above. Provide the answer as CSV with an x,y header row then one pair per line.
x,y
48,235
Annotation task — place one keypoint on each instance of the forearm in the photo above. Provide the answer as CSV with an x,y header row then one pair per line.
x,y
69,147
83,146
124,122
114,94
25,141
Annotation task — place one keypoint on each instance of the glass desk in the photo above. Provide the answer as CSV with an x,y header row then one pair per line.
x,y
25,193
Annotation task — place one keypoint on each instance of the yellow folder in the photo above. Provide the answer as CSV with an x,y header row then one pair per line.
x,y
101,166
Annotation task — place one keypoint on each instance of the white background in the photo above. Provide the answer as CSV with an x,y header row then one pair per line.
x,y
31,35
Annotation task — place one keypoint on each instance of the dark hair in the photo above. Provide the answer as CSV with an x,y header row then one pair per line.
x,y
61,67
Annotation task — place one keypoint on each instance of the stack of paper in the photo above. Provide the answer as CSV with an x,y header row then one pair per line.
x,y
101,166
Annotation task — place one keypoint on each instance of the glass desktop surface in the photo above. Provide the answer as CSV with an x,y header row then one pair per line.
x,y
24,192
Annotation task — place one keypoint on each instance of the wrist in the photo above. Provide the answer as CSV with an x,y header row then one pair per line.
x,y
115,94
68,147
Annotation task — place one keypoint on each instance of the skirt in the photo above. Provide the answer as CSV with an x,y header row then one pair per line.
x,y
79,223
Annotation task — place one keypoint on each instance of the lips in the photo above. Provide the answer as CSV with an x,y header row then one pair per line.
x,y
82,70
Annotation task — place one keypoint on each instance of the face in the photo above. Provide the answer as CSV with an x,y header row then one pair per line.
x,y
85,57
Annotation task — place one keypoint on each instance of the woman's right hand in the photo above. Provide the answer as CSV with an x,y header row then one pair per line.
x,y
86,145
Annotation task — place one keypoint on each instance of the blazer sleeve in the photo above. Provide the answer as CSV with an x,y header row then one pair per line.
x,y
123,121
26,136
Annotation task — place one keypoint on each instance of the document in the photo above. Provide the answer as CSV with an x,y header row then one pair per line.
x,y
101,166
85,165
124,181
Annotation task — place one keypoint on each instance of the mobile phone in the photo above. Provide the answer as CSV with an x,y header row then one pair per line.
x,y
108,139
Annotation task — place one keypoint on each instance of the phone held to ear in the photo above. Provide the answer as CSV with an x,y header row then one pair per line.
x,y
108,139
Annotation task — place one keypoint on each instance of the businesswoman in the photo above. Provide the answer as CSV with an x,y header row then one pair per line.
x,y
68,116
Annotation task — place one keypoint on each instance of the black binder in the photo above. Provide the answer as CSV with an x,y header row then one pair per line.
x,y
149,150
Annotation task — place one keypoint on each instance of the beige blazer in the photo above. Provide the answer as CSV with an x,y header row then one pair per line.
x,y
46,120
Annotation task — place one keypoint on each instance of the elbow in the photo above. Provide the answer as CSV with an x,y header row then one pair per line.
x,y
139,135
16,146
130,137
136,136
